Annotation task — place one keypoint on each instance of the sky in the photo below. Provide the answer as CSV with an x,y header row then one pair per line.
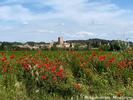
x,y
45,20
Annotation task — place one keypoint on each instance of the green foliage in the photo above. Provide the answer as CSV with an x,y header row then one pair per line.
x,y
114,46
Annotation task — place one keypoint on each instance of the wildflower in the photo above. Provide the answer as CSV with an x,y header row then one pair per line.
x,y
60,73
2,53
26,66
12,57
39,66
13,50
4,69
111,60
4,59
47,66
102,58
122,63
77,86
53,69
54,78
43,77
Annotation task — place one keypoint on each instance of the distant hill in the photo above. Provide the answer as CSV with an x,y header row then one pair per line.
x,y
96,40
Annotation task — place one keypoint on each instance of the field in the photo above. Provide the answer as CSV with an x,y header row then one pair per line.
x,y
57,75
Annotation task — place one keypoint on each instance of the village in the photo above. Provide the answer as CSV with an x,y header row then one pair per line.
x,y
58,44
61,43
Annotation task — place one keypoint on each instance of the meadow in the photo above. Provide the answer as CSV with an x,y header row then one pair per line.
x,y
59,75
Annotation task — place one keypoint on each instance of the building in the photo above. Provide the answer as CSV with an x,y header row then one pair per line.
x,y
61,43
66,45
48,45
60,40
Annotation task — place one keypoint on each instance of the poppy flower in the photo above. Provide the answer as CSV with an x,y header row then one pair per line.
x,y
4,69
54,78
102,58
12,57
4,59
47,66
111,60
60,73
2,53
13,50
39,66
53,70
122,63
43,77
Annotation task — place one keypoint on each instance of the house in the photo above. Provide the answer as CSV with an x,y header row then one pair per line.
x,y
62,44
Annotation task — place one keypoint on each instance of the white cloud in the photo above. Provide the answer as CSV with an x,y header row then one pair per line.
x,y
86,16
81,35
85,33
44,31
15,12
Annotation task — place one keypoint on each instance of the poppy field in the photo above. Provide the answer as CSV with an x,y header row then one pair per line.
x,y
57,75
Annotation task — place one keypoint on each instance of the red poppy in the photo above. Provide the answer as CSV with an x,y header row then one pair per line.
x,y
111,60
102,58
43,77
54,78
2,53
4,69
26,66
60,73
39,66
13,50
53,70
122,63
12,57
4,59
47,66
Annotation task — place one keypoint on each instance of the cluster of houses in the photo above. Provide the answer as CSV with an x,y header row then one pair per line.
x,y
63,44
59,44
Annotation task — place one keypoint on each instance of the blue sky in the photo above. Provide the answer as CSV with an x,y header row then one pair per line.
x,y
45,20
